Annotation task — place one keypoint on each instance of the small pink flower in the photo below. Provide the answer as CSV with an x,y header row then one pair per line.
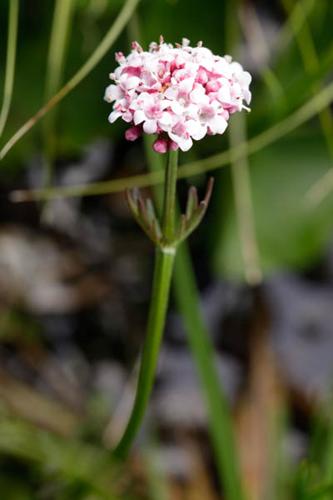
x,y
133,133
173,146
179,93
160,146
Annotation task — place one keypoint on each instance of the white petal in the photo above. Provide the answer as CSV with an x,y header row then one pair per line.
x,y
164,103
112,92
192,111
165,122
236,90
150,126
184,144
130,82
224,95
247,96
139,117
196,130
171,93
176,107
218,124
198,96
186,85
127,116
114,116
246,78
222,67
237,68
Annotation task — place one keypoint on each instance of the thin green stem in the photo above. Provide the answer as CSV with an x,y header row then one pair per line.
x,y
244,205
13,15
188,303
320,189
61,23
115,30
302,36
158,307
169,207
62,18
239,166
164,262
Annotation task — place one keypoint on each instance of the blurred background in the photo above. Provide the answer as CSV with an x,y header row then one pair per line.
x,y
75,271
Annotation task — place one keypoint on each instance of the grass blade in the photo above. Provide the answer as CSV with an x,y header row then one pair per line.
x,y
220,421
71,461
100,51
13,16
61,23
244,207
293,25
62,18
328,453
311,65
259,49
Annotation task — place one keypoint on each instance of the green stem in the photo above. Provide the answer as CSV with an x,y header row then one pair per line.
x,y
61,27
169,205
188,303
240,173
164,262
10,62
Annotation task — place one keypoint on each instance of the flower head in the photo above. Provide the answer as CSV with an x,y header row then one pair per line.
x,y
179,93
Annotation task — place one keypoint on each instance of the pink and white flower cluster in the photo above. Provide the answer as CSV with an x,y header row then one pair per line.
x,y
180,93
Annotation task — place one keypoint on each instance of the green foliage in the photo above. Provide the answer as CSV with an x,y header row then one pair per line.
x,y
79,469
290,232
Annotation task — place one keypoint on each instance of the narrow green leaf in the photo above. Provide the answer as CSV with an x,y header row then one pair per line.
x,y
13,16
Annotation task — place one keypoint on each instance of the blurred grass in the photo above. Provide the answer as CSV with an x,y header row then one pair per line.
x,y
58,46
244,206
289,234
311,65
256,39
79,466
105,44
13,17
219,412
240,175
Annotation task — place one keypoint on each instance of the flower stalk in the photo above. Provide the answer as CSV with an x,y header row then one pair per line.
x,y
164,262
166,236
169,207
13,17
